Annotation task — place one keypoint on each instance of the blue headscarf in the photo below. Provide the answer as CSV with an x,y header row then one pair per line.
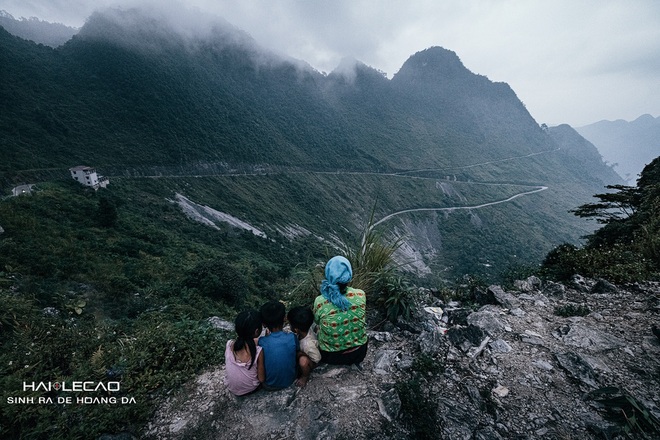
x,y
337,270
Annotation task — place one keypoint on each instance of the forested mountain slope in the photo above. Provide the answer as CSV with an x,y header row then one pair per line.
x,y
134,96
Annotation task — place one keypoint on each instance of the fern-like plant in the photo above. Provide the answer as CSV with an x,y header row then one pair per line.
x,y
373,260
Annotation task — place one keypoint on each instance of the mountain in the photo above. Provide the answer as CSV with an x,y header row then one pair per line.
x,y
42,32
455,162
627,145
233,172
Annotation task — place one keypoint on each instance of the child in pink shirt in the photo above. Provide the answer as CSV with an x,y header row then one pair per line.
x,y
244,360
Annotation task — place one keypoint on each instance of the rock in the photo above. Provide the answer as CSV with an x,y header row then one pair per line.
x,y
544,365
500,391
487,322
436,314
458,335
581,284
389,405
529,285
309,424
505,299
553,289
487,433
577,368
457,316
380,336
500,346
120,436
483,298
433,341
527,383
591,339
221,324
604,286
349,394
384,360
530,337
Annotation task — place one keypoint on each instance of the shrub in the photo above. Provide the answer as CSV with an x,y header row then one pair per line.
x,y
428,365
572,310
419,408
622,408
218,280
396,298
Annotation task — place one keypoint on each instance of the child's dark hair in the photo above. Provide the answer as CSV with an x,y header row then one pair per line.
x,y
301,318
272,314
247,323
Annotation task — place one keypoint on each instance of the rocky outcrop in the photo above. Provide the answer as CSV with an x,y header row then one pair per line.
x,y
513,369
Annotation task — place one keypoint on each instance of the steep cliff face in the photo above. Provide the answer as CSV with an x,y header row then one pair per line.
x,y
542,360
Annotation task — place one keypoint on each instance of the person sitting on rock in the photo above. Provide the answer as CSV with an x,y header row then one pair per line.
x,y
340,313
279,348
244,360
301,319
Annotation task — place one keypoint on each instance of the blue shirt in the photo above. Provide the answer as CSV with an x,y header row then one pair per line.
x,y
280,358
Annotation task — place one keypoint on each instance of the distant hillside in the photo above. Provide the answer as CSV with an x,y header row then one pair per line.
x,y
137,95
629,146
33,29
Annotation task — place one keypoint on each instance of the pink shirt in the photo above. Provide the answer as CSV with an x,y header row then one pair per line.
x,y
238,379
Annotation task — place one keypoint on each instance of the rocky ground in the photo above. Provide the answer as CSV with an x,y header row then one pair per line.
x,y
511,368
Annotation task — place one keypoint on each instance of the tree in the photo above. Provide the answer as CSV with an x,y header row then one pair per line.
x,y
613,206
107,213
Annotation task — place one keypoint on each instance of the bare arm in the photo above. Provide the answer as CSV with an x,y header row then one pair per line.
x,y
261,368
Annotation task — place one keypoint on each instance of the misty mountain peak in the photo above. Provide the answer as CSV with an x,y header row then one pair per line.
x,y
433,63
349,68
33,29
156,28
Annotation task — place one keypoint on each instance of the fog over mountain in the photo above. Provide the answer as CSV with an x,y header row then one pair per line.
x,y
564,67
627,145
39,31
233,172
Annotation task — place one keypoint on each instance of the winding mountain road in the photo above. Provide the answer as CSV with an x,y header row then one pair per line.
x,y
456,208
405,174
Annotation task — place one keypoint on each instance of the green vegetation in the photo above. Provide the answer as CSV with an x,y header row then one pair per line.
x,y
572,310
419,407
118,284
84,300
627,247
624,409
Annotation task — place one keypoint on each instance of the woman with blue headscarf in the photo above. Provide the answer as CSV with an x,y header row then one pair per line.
x,y
340,313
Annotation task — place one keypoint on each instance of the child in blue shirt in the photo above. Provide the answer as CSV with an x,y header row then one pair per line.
x,y
279,347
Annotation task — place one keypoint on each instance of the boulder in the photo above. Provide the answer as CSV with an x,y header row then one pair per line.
x,y
505,299
389,405
486,321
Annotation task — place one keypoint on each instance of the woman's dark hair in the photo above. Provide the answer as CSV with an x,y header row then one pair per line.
x,y
342,288
247,323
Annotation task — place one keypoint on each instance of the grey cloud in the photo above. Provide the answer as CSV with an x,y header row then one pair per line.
x,y
558,56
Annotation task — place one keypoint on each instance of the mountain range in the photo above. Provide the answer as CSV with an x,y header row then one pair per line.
x,y
629,146
475,183
39,31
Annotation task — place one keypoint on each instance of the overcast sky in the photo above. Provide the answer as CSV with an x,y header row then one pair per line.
x,y
569,61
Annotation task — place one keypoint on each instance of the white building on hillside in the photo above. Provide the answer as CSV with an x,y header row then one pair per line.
x,y
88,177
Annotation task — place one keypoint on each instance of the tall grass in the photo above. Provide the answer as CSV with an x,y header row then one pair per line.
x,y
373,259
374,269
